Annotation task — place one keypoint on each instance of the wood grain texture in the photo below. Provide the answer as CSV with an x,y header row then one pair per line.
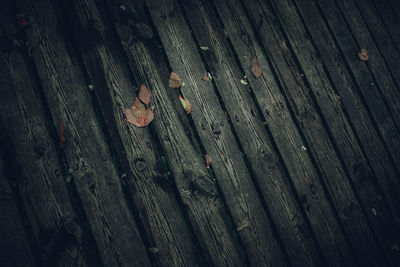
x,y
366,82
384,175
322,141
197,191
158,208
34,163
270,176
86,152
288,139
389,18
231,172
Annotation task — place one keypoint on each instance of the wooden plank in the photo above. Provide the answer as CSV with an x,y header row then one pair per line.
x,y
55,229
368,190
389,18
376,64
198,193
156,202
395,5
14,246
231,173
366,83
290,143
86,152
340,131
270,176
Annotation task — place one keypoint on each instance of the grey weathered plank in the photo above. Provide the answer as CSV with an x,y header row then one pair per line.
x,y
14,246
86,152
209,119
376,64
389,18
156,202
272,181
387,48
288,139
365,81
395,5
34,159
198,193
363,178
339,129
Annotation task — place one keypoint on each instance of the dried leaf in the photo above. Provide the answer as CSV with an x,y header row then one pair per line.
x,y
138,114
61,138
243,224
144,94
206,78
363,54
243,82
208,160
186,104
256,68
204,47
21,20
174,80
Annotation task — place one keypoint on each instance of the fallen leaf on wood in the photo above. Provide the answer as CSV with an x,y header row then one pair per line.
x,y
206,78
144,94
21,20
174,80
154,250
61,135
138,114
243,224
187,106
208,161
256,68
204,47
243,82
363,54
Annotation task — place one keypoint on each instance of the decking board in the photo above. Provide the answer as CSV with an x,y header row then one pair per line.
x,y
305,159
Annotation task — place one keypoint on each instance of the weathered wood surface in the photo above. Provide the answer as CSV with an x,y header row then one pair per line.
x,y
219,142
86,152
270,176
305,158
33,160
198,193
153,195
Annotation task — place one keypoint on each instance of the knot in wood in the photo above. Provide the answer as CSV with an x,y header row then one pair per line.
x,y
140,164
41,146
216,128
88,179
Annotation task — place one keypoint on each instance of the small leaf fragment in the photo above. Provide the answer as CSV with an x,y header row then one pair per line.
x,y
243,224
154,250
204,47
256,68
243,82
374,212
304,148
206,78
144,94
68,178
208,161
21,20
363,54
187,106
174,80
61,138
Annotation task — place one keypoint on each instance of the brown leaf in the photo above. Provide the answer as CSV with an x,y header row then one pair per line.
x,y
363,54
243,224
186,104
138,114
61,135
256,68
206,78
144,94
174,80
208,160
21,20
